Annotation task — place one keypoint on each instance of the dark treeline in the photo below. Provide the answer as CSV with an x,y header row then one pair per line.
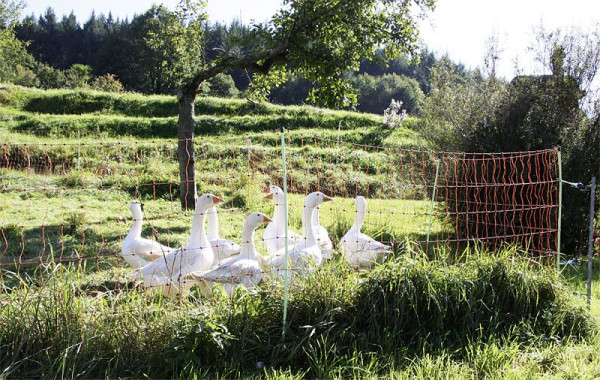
x,y
124,50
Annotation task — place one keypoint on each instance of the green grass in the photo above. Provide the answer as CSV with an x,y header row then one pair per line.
x,y
477,315
65,113
484,317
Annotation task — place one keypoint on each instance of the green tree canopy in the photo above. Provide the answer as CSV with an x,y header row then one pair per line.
x,y
15,62
322,40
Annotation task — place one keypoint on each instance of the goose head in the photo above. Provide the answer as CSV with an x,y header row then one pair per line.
x,y
206,201
252,221
256,219
315,199
271,191
136,210
360,202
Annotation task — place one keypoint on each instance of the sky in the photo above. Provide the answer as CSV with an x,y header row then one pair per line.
x,y
458,28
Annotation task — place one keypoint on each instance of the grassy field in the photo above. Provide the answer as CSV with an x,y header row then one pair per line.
x,y
479,315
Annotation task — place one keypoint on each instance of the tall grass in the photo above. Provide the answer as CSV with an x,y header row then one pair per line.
x,y
483,312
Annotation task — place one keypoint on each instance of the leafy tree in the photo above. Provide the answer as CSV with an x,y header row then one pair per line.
x,y
375,93
15,63
320,39
78,76
49,77
221,85
459,105
573,52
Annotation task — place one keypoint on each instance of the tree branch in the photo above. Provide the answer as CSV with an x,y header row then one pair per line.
x,y
269,57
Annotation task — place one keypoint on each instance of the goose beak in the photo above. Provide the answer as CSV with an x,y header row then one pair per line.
x,y
266,191
142,206
217,200
327,199
266,219
269,196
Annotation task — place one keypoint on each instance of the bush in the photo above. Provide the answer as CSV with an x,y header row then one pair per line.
x,y
375,93
222,86
108,82
49,77
78,76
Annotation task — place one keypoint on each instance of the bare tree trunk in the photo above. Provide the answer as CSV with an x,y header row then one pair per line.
x,y
185,148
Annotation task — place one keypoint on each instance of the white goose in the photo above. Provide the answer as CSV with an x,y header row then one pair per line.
x,y
306,254
136,250
243,269
222,248
168,273
322,236
362,251
274,233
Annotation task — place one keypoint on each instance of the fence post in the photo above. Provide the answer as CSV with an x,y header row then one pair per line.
x,y
591,240
285,238
560,191
78,149
433,193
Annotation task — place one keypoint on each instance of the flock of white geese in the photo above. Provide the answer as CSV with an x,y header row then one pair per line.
x,y
209,260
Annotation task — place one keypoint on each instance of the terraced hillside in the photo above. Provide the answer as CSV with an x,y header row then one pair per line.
x,y
65,113
70,163
71,160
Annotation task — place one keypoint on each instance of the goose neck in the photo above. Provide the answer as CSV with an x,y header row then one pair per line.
x,y
278,211
307,222
360,217
198,233
248,250
315,216
136,229
213,223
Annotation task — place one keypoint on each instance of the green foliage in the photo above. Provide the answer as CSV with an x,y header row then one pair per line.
x,y
221,86
15,62
376,93
345,32
534,113
458,107
108,82
78,76
172,44
49,77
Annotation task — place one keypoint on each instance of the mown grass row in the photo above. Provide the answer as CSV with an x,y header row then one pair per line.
x,y
67,113
76,102
410,316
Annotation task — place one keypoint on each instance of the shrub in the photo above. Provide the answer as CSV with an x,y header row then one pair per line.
x,y
108,82
374,93
221,85
78,76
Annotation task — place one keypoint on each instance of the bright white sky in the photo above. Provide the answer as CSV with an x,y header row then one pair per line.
x,y
457,27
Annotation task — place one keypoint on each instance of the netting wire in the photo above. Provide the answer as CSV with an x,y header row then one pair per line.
x,y
69,203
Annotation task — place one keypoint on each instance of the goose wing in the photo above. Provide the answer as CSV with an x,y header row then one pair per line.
x,y
150,250
236,272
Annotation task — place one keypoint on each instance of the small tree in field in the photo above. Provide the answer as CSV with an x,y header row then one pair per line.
x,y
318,39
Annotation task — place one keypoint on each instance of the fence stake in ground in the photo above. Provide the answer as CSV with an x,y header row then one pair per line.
x,y
591,240
285,237
560,190
433,193
78,149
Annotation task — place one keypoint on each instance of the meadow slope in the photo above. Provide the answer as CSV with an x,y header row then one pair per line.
x,y
74,159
